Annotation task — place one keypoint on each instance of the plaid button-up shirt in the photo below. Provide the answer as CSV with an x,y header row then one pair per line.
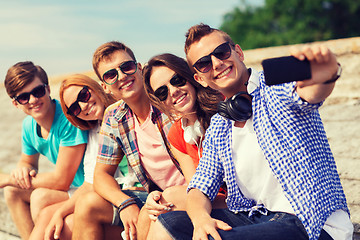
x,y
117,136
293,140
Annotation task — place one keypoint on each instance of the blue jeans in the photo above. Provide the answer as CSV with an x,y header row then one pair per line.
x,y
274,226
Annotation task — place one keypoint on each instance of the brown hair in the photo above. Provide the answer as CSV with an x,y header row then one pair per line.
x,y
206,98
94,86
22,74
105,51
196,32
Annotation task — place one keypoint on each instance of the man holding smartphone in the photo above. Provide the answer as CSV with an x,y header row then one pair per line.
x,y
270,147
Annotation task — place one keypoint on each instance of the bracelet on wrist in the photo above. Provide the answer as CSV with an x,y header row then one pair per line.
x,y
125,204
126,201
336,75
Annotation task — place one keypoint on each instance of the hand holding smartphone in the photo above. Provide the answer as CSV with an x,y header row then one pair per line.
x,y
285,69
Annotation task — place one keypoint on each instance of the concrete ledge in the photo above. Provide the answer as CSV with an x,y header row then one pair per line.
x,y
6,225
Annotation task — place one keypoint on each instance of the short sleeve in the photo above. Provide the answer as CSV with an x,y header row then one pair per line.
x,y
27,138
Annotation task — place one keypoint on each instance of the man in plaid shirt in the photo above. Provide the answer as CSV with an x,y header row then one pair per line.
x,y
132,127
271,150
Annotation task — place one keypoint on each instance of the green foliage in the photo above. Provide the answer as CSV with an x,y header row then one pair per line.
x,y
283,22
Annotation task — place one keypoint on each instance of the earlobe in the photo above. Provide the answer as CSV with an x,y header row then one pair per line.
x,y
14,102
104,86
200,80
48,88
139,67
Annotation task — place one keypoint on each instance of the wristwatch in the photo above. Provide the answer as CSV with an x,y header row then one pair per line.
x,y
336,75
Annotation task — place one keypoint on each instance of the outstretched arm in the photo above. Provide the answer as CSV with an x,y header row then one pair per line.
x,y
324,67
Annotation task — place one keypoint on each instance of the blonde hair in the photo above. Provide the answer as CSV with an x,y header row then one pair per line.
x,y
94,86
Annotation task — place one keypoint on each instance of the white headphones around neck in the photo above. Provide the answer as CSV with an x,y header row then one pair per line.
x,y
192,133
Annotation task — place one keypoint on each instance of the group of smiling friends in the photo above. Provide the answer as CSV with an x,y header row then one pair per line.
x,y
195,148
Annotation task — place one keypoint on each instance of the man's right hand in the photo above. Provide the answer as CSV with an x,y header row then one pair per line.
x,y
205,226
129,217
23,176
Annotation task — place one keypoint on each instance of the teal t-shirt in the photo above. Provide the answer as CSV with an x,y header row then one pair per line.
x,y
62,133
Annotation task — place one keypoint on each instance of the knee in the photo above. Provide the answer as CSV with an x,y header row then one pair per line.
x,y
69,221
175,195
38,199
47,212
174,192
11,194
88,205
67,228
158,232
39,196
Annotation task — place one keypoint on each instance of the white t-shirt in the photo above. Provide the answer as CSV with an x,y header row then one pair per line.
x,y
90,161
91,153
264,188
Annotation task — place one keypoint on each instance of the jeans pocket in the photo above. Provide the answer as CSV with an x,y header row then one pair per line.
x,y
290,220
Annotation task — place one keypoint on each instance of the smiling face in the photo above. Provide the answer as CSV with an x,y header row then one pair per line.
x,y
227,75
38,108
181,99
127,86
93,109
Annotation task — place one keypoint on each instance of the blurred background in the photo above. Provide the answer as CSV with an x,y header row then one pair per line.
x,y
61,36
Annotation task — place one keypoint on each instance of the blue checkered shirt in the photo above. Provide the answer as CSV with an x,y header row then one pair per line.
x,y
117,137
293,140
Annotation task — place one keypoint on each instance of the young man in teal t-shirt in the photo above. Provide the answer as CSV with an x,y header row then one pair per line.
x,y
45,131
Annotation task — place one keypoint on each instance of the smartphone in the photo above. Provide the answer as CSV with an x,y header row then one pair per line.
x,y
285,69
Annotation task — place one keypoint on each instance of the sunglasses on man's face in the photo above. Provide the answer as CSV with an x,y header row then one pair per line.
x,y
37,92
222,52
110,77
162,92
83,96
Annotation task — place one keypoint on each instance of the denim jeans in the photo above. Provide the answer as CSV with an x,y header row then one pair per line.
x,y
273,226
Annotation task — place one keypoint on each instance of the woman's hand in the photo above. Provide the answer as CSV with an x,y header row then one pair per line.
x,y
54,228
155,205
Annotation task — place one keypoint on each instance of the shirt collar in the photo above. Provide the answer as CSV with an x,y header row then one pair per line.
x,y
253,81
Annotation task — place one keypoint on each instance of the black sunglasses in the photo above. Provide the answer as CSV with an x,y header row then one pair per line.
x,y
110,77
222,52
83,96
162,92
37,92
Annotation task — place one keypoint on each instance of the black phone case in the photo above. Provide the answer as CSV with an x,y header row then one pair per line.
x,y
285,69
